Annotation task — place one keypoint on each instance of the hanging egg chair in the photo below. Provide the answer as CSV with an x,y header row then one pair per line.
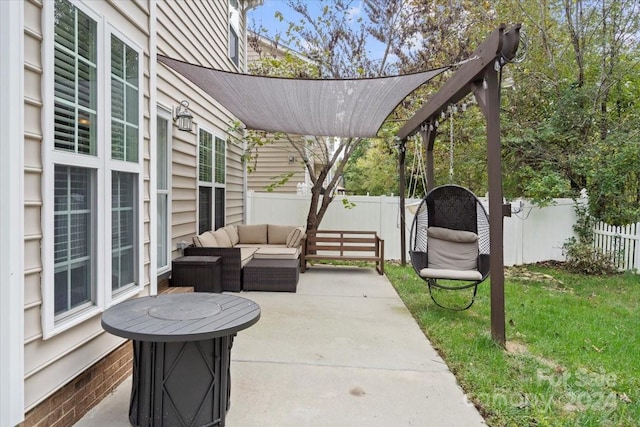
x,y
450,241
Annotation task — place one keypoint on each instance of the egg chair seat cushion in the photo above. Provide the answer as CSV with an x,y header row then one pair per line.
x,y
439,273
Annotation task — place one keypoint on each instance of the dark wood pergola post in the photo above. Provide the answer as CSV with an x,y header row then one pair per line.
x,y
480,76
402,147
491,111
428,139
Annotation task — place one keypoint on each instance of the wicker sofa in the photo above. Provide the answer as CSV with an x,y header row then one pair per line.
x,y
239,244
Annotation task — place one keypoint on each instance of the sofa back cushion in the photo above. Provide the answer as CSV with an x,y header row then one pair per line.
x,y
232,232
294,238
253,233
222,237
206,239
277,234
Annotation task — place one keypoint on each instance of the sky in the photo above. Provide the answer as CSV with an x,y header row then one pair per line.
x,y
265,15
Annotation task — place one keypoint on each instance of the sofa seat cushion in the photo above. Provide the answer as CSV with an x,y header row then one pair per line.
x,y
272,252
246,255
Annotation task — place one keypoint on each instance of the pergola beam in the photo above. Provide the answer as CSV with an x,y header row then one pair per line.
x,y
497,45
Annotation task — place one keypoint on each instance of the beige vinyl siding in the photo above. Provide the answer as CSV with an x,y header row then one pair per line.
x,y
196,31
273,158
272,163
51,363
204,41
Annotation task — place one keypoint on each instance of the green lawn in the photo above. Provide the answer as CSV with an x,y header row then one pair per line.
x,y
573,346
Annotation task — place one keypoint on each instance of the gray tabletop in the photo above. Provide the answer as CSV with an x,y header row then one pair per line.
x,y
180,317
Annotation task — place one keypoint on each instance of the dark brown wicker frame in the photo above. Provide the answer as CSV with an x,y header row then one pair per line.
x,y
231,265
456,208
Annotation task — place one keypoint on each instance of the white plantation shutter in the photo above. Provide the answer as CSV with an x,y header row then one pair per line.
x,y
73,228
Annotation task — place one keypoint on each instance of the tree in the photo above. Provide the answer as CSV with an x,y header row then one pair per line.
x,y
337,43
569,117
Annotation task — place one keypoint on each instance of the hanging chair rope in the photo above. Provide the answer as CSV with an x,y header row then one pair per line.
x,y
450,145
417,169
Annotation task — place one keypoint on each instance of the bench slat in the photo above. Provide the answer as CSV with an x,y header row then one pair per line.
x,y
344,240
343,257
315,247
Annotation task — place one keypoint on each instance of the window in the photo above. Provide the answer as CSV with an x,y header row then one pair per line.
x,y
75,82
124,101
93,205
220,159
75,132
74,256
163,136
212,175
123,230
234,30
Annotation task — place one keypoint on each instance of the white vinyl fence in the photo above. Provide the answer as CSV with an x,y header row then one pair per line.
x,y
621,243
532,234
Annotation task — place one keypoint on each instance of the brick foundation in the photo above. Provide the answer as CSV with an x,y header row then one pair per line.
x,y
67,405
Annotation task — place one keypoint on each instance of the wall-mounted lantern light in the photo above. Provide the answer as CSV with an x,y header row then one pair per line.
x,y
183,116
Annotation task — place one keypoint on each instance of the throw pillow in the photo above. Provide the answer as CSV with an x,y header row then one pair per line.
x,y
294,238
233,234
450,235
206,239
448,255
222,237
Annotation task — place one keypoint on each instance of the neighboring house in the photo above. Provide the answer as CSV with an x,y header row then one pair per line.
x,y
99,187
278,166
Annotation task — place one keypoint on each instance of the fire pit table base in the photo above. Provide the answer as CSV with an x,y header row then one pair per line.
x,y
181,383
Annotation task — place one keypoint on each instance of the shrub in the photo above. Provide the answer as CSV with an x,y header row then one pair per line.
x,y
583,258
581,255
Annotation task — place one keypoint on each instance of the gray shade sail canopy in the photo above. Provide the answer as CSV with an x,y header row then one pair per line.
x,y
338,107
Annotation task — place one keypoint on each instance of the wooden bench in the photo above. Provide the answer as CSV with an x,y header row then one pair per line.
x,y
341,245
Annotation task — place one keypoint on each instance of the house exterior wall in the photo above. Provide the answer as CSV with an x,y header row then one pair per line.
x,y
11,213
195,31
203,41
50,362
273,163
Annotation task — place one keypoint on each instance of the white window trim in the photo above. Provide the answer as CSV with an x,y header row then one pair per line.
x,y
153,85
213,184
11,214
165,113
101,163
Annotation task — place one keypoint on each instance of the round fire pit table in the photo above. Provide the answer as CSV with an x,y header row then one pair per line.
x,y
181,354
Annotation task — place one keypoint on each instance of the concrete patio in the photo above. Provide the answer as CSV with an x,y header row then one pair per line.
x,y
341,351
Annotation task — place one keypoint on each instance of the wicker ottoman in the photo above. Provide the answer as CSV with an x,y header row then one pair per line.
x,y
271,275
